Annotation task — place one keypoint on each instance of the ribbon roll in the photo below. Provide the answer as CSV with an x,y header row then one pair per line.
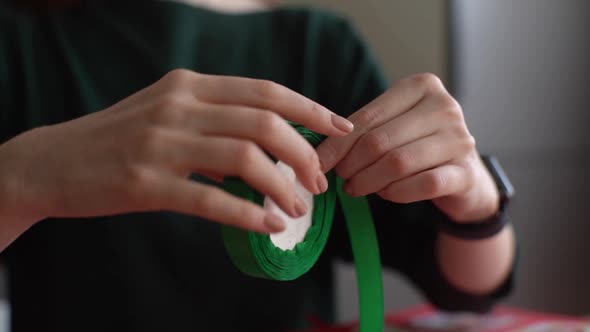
x,y
256,255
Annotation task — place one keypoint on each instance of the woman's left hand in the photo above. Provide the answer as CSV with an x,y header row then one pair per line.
x,y
412,144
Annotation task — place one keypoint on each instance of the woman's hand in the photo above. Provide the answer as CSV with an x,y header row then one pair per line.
x,y
412,144
138,154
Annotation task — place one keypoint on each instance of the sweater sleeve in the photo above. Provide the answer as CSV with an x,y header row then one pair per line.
x,y
9,23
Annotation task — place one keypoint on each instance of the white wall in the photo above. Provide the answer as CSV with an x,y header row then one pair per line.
x,y
407,36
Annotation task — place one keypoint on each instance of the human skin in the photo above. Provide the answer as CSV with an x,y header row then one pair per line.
x,y
410,144
137,155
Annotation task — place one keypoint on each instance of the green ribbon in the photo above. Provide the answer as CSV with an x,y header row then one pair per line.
x,y
365,251
254,254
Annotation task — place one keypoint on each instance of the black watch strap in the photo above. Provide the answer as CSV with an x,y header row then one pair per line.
x,y
474,230
488,227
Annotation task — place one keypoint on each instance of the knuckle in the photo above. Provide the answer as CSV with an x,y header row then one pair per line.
x,y
269,123
434,184
329,148
305,160
444,101
266,89
367,117
168,100
316,108
376,142
460,131
469,142
469,178
427,80
312,155
207,203
246,154
245,215
452,116
179,77
385,195
137,178
168,110
309,161
401,160
247,211
329,151
390,194
471,175
448,109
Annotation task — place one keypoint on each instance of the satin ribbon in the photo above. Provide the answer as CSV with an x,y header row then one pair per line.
x,y
254,254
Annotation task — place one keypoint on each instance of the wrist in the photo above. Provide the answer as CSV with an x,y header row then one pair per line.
x,y
15,205
479,205
475,230
14,218
491,215
480,202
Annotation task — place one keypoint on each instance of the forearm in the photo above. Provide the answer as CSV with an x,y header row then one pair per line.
x,y
477,266
11,228
15,218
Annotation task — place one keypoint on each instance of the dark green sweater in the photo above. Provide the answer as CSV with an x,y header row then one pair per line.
x,y
164,271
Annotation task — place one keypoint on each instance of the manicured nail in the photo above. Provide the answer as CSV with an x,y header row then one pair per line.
x,y
300,207
322,182
342,124
274,223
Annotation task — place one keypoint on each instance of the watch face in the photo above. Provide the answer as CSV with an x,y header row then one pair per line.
x,y
502,181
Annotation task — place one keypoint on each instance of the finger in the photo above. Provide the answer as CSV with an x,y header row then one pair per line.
x,y
421,121
229,157
401,97
268,130
434,183
405,161
263,127
268,95
193,198
211,175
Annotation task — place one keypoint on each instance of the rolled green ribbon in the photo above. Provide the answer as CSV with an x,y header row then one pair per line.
x,y
256,255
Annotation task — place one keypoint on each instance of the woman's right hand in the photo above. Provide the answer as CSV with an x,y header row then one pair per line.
x,y
137,155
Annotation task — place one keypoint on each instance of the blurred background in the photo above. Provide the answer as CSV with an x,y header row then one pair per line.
x,y
521,70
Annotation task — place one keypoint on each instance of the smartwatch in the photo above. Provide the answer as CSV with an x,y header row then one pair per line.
x,y
493,225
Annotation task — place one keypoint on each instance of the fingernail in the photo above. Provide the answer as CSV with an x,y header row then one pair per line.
x,y
300,207
342,124
274,223
322,182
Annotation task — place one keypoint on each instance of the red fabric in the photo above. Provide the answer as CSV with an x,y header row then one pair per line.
x,y
502,319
